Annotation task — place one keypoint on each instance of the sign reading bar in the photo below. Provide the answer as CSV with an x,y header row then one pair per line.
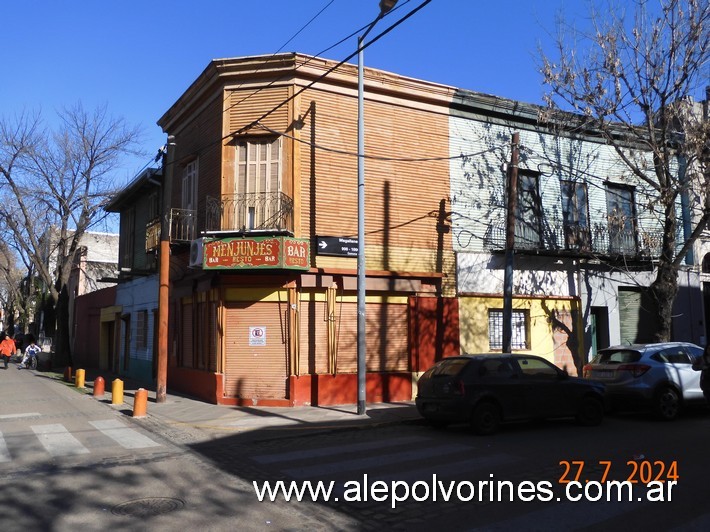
x,y
339,246
257,253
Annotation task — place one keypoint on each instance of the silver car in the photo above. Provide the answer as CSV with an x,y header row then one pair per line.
x,y
661,376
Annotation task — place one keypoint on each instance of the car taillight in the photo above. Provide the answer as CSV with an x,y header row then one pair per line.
x,y
636,369
587,370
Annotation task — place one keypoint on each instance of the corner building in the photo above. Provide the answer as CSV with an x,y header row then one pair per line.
x,y
263,218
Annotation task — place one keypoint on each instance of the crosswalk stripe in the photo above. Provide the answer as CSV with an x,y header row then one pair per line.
x,y
4,452
124,436
23,414
453,468
564,515
399,456
58,441
334,450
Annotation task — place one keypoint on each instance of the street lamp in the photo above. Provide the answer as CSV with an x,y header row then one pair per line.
x,y
385,6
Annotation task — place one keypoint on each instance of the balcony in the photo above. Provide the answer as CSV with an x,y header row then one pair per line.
x,y
183,228
575,240
272,211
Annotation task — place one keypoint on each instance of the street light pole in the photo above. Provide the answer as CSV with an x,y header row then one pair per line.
x,y
385,6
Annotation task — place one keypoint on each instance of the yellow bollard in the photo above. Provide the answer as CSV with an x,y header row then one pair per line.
x,y
80,376
117,392
140,403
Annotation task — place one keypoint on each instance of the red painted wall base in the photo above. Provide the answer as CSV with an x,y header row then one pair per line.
x,y
313,390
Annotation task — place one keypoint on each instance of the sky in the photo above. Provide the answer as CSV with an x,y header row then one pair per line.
x,y
138,56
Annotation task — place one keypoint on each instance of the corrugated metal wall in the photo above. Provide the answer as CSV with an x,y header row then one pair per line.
x,y
255,371
386,338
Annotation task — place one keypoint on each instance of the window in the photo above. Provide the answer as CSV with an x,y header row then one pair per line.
x,y
153,206
189,185
128,236
495,369
621,215
142,329
519,329
528,234
533,368
574,215
258,182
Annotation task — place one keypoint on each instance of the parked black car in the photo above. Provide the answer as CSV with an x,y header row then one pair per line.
x,y
488,389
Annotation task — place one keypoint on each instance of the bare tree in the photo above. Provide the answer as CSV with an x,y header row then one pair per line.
x,y
632,79
53,186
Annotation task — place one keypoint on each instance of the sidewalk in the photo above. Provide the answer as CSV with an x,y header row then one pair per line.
x,y
182,410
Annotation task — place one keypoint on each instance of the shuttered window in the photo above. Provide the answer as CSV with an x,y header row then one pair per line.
x,y
258,183
189,185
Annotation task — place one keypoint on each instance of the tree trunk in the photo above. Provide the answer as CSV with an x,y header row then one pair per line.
x,y
664,290
62,349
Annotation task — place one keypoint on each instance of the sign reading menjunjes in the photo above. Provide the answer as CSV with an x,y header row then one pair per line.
x,y
339,246
257,253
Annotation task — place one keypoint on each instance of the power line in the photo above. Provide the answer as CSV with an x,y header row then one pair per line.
x,y
378,157
328,72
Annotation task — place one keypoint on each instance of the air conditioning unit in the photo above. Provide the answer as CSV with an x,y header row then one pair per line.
x,y
197,248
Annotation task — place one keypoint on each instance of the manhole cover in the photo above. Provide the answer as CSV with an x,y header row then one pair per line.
x,y
148,507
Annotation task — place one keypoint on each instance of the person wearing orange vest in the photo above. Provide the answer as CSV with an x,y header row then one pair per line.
x,y
7,348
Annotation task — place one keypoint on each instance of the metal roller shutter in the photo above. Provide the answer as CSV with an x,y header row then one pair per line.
x,y
254,371
386,338
638,317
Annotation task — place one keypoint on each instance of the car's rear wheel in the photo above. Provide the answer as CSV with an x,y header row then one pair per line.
x,y
485,418
591,412
667,404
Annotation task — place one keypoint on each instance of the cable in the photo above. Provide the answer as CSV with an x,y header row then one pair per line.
x,y
304,26
155,159
328,72
377,157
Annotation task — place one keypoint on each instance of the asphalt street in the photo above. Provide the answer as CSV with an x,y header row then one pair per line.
x,y
69,460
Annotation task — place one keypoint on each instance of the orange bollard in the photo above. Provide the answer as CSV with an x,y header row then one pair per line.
x,y
67,374
99,386
140,403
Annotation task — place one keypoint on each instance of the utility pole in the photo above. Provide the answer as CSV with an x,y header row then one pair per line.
x,y
510,245
164,274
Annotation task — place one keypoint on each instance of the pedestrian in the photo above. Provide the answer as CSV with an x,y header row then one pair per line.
x,y
32,350
7,348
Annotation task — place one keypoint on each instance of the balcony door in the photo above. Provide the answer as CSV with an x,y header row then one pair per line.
x,y
575,215
258,184
621,215
528,221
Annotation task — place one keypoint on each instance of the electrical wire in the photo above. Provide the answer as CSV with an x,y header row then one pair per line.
x,y
377,157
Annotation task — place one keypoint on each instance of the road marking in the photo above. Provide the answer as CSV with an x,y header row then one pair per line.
x,y
373,461
124,436
334,450
4,452
57,440
24,414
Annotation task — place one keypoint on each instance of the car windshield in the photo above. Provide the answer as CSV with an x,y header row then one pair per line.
x,y
449,367
618,356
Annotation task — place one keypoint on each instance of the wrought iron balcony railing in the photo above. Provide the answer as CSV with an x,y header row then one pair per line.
x,y
183,228
249,212
578,240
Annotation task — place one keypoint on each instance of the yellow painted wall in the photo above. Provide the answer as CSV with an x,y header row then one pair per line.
x,y
473,315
